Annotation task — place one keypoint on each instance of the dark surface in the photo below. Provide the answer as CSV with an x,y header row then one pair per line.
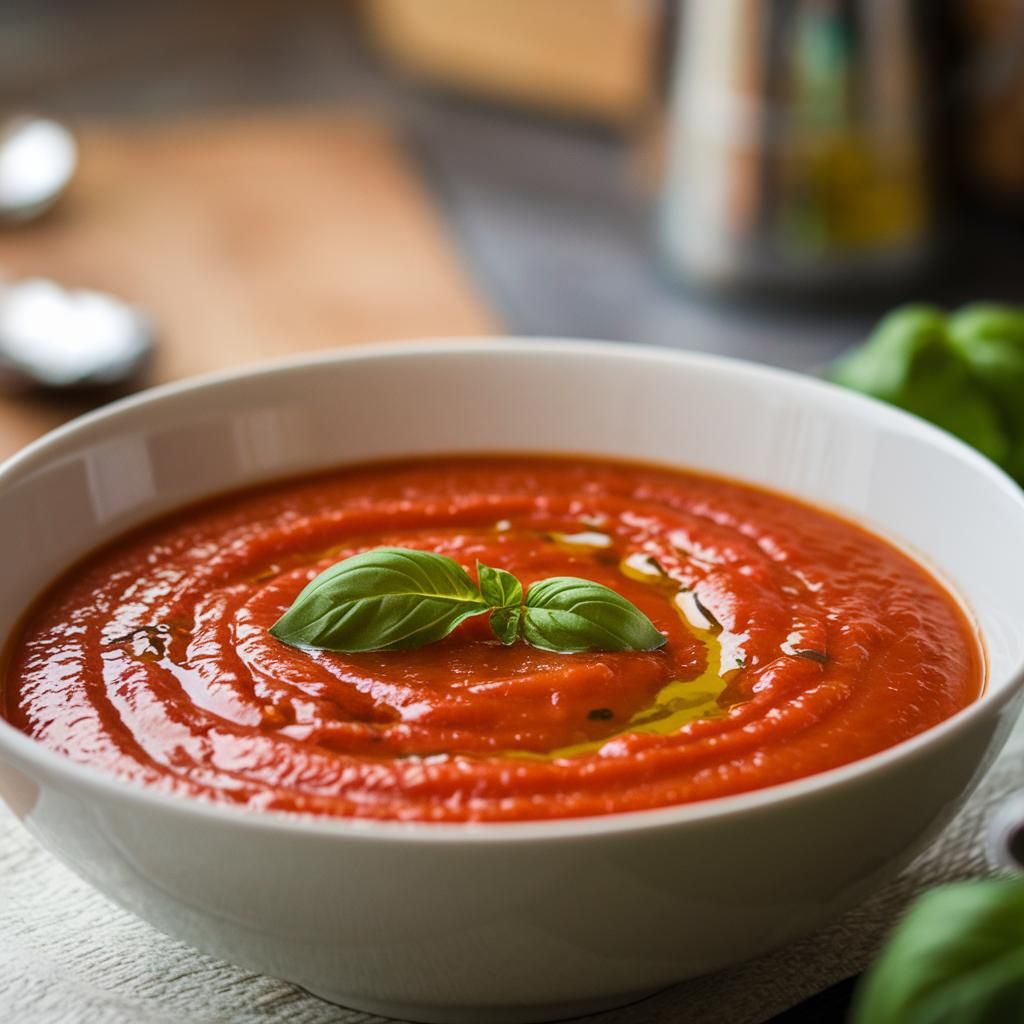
x,y
829,1007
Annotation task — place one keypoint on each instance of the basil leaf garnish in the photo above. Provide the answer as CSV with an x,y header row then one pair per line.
x,y
387,599
956,958
500,589
392,599
570,616
505,623
504,593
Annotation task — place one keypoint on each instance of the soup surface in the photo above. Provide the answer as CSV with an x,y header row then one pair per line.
x,y
796,642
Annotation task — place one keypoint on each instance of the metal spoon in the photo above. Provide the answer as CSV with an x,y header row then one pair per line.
x,y
37,161
59,338
52,337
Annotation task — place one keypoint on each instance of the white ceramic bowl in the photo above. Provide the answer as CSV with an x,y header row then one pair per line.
x,y
532,921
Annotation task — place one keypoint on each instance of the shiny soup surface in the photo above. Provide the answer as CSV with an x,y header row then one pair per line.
x,y
797,642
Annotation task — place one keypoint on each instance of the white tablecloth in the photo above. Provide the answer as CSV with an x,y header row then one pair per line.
x,y
67,956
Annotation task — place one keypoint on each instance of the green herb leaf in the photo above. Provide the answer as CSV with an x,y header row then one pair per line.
x,y
987,320
570,616
505,623
910,361
908,345
500,588
504,593
387,599
951,400
393,599
956,958
989,338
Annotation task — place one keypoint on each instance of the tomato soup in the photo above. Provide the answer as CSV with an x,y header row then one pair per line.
x,y
796,642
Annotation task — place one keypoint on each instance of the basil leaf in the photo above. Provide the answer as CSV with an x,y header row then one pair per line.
x,y
990,340
1014,464
504,593
908,346
956,958
393,599
987,320
500,589
911,361
387,599
505,623
570,616
952,400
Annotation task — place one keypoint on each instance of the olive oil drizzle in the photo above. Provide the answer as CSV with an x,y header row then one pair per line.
x,y
681,701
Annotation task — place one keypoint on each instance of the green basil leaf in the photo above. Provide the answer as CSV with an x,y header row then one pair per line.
x,y
952,400
956,958
504,593
981,320
387,599
908,346
505,623
911,361
990,340
500,589
1014,464
393,599
570,616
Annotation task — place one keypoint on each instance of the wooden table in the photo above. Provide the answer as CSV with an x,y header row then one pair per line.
x,y
247,238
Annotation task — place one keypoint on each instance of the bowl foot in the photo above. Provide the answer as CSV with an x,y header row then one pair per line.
x,y
528,1014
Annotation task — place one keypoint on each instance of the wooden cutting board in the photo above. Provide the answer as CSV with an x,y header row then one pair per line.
x,y
246,238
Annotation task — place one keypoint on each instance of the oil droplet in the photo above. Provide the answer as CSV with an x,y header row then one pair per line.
x,y
643,567
584,539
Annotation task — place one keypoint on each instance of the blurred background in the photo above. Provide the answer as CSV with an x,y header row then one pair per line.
x,y
761,178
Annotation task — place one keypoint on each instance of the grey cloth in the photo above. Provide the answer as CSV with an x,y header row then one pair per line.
x,y
68,956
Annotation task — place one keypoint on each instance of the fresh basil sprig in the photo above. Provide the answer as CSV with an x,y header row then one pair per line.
x,y
956,958
391,599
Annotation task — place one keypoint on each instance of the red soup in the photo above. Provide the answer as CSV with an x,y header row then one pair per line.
x,y
796,642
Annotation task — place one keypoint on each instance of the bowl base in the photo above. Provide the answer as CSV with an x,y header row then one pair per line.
x,y
539,1014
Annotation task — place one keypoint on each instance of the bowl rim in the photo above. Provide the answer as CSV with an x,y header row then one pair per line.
x,y
57,767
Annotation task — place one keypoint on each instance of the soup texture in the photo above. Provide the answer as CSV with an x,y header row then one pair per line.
x,y
797,642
